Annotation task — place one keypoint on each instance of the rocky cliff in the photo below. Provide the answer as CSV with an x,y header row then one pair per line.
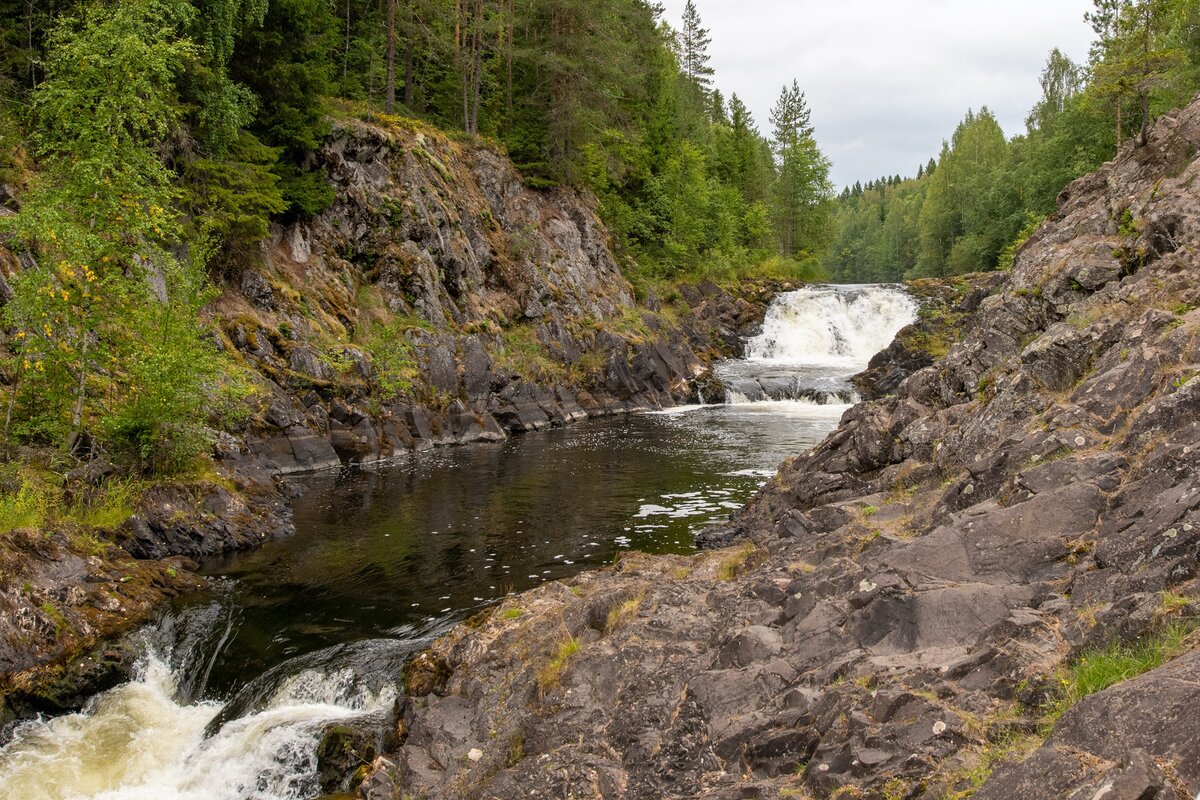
x,y
983,583
496,309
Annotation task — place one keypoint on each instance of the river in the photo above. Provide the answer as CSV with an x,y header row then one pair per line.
x,y
238,683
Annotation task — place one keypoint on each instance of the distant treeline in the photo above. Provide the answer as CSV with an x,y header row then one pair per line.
x,y
970,208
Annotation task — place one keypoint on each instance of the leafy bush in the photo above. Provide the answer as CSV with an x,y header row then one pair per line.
x,y
393,355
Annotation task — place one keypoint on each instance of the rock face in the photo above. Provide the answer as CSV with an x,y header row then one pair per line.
x,y
440,301
62,592
911,600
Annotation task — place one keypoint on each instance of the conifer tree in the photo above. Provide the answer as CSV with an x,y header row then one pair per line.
x,y
694,42
791,116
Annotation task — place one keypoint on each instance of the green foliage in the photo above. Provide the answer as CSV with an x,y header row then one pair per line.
x,y
520,352
25,505
974,206
1097,670
287,63
106,327
234,196
107,508
394,357
169,375
800,198
35,497
1009,254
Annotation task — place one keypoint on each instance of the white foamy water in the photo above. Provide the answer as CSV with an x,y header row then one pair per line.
x,y
139,742
835,325
813,341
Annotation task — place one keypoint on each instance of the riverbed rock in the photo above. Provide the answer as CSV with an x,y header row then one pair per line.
x,y
342,754
64,591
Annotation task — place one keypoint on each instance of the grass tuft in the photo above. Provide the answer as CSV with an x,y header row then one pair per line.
x,y
550,675
27,507
618,615
733,563
1097,670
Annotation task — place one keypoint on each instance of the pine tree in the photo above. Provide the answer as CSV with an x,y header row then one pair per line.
x,y
694,42
791,117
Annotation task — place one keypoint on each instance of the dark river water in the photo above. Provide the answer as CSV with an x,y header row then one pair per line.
x,y
410,545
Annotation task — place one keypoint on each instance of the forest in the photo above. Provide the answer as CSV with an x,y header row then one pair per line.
x,y
972,206
603,95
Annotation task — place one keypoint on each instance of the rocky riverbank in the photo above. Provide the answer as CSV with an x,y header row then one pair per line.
x,y
984,583
438,301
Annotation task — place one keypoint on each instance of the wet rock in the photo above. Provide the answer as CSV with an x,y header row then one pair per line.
x,y
342,754
202,520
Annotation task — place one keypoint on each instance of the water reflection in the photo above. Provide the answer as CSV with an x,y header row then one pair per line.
x,y
433,536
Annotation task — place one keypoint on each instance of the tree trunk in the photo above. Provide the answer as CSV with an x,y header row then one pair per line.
x,y
390,103
1119,132
12,399
81,388
512,23
477,68
346,49
410,46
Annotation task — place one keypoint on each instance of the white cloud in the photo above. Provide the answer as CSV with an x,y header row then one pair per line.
x,y
888,80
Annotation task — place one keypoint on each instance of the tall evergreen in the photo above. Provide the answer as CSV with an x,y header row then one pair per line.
x,y
693,46
791,116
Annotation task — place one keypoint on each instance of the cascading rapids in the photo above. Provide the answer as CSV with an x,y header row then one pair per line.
x,y
147,740
813,341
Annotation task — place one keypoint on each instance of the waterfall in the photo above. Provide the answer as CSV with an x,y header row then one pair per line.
x,y
149,739
813,341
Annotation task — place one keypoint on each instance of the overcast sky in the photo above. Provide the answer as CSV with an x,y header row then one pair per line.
x,y
888,80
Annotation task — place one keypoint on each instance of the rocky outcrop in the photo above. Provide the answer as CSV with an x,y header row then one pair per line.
x,y
438,301
944,308
62,592
915,600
